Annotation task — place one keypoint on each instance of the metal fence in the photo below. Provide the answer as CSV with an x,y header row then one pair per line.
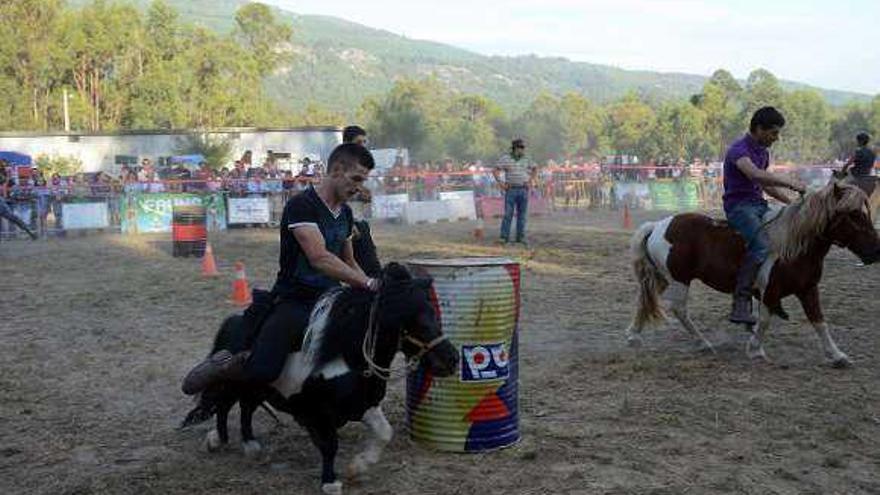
x,y
138,207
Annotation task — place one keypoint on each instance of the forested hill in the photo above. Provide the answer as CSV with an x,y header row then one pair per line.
x,y
336,64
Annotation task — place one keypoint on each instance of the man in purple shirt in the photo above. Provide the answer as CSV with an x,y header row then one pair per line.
x,y
745,180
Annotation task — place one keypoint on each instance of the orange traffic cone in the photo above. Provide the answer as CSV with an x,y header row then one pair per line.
x,y
209,267
627,219
241,293
478,230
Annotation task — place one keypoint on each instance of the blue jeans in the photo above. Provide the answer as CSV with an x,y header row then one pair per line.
x,y
748,219
515,198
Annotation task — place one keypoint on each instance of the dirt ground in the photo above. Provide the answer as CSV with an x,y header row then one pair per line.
x,y
96,333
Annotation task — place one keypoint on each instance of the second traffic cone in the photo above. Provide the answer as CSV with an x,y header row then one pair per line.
x,y
627,219
478,230
209,266
241,293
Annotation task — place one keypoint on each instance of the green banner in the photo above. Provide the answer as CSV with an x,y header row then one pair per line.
x,y
151,212
664,196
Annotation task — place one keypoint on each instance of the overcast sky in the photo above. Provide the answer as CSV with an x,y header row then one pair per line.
x,y
832,44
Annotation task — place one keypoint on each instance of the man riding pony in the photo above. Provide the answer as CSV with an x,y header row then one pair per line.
x,y
316,255
745,180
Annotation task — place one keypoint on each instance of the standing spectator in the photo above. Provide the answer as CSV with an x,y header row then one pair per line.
x,y
357,135
519,175
354,134
5,209
145,171
246,160
43,195
202,176
6,212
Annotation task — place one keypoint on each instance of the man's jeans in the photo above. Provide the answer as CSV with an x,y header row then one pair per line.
x,y
515,198
748,219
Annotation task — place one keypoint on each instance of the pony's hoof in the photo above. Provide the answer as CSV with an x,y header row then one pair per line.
x,y
334,488
841,362
754,349
356,467
757,354
706,348
634,341
212,441
252,449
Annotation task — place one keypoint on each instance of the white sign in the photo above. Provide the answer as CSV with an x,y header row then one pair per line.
x,y
389,205
248,210
85,215
457,195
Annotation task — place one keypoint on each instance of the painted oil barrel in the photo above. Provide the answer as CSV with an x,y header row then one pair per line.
x,y
476,409
188,230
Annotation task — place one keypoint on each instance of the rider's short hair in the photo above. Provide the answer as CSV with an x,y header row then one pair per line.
x,y
766,118
862,138
351,132
348,155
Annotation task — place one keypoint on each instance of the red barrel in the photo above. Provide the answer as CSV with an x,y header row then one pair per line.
x,y
189,233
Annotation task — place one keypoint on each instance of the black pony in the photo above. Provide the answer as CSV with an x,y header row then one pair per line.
x,y
341,372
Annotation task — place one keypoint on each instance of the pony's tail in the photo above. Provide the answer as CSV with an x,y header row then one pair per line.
x,y
651,281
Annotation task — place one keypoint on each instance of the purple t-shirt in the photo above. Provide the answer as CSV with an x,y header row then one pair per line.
x,y
737,187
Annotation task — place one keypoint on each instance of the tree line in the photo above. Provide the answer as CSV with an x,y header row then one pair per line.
x,y
127,69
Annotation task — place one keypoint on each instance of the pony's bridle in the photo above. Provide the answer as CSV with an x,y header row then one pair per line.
x,y
371,340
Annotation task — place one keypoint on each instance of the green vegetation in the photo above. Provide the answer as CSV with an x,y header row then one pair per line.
x,y
201,64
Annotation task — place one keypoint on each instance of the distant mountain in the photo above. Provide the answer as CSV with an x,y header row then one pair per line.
x,y
337,63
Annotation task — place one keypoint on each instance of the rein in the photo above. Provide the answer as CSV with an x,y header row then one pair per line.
x,y
371,339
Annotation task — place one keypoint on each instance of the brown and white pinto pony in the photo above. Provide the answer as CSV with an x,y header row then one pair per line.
x,y
673,252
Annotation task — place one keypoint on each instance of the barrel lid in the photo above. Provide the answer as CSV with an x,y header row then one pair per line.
x,y
469,261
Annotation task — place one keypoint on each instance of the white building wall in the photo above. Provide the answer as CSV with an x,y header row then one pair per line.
x,y
98,152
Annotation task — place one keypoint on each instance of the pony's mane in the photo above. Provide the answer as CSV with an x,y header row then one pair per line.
x,y
337,324
803,221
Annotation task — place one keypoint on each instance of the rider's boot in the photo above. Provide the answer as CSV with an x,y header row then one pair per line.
x,y
742,295
222,365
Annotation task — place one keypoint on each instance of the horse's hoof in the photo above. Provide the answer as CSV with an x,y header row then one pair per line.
x,y
212,441
334,488
841,362
252,449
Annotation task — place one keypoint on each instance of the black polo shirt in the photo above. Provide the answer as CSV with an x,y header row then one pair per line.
x,y
296,276
863,161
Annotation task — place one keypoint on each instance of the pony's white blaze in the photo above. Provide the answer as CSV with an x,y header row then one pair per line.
x,y
300,365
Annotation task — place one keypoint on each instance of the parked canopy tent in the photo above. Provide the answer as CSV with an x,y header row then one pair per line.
x,y
15,158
